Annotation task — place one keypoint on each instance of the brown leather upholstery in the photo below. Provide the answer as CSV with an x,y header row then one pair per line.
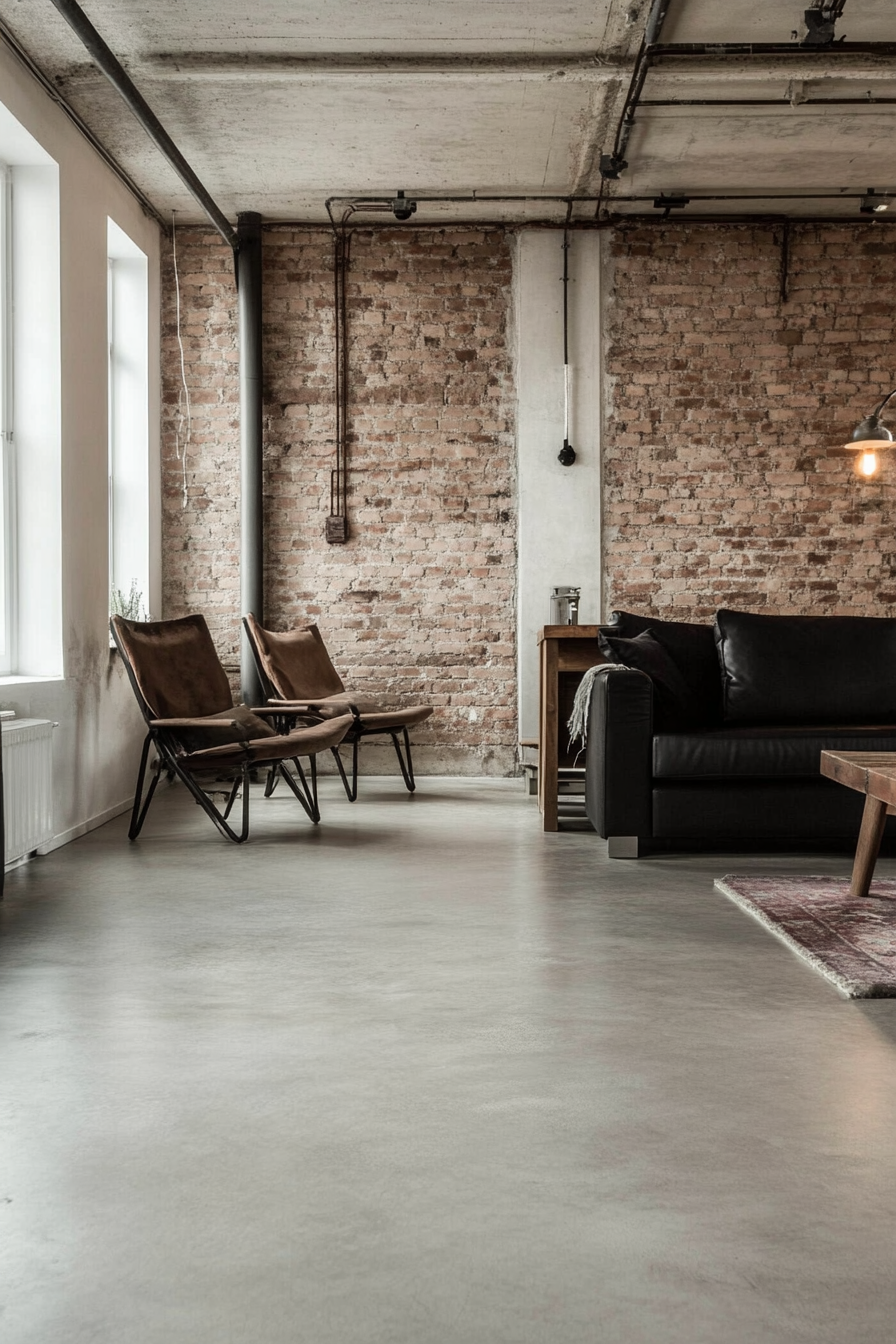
x,y
185,698
175,665
304,741
296,663
296,669
375,720
299,670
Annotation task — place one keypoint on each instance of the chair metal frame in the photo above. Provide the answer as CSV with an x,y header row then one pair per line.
x,y
353,736
162,735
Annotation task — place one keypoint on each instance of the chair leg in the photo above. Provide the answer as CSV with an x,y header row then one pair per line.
x,y
232,798
138,813
273,776
351,790
209,808
405,762
306,795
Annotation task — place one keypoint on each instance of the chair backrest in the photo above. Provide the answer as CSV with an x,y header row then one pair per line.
x,y
295,664
173,666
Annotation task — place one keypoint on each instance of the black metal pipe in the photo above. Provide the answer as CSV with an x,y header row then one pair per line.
x,y
765,102
651,51
606,221
759,196
614,164
713,50
122,82
53,93
363,203
249,287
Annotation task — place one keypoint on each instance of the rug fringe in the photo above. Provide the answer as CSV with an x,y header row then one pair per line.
x,y
848,987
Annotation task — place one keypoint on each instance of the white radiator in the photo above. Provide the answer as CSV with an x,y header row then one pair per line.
x,y
27,786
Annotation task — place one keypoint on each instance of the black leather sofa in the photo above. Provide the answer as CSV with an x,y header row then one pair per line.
x,y
704,735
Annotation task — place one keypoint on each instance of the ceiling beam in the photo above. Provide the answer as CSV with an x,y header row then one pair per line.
x,y
259,68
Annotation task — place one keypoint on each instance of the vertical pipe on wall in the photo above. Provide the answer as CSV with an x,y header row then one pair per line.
x,y
248,275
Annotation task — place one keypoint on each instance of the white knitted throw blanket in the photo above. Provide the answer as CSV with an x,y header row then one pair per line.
x,y
578,719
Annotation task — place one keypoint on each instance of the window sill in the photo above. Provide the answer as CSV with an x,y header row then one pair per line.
x,y
28,681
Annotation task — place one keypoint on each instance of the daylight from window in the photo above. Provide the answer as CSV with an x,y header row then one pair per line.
x,y
128,307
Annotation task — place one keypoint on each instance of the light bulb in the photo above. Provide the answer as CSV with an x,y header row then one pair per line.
x,y
867,464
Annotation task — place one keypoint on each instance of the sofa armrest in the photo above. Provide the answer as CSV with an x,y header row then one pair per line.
x,y
618,771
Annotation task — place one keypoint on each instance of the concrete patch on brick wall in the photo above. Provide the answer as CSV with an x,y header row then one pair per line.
x,y
419,605
721,406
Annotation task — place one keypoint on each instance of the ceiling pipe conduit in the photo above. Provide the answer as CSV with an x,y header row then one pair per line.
x,y
121,81
868,101
251,351
651,52
612,164
246,243
818,56
56,97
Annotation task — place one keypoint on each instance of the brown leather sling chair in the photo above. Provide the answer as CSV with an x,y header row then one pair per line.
x,y
196,729
297,674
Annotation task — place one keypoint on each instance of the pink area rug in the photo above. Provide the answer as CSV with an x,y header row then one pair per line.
x,y
850,942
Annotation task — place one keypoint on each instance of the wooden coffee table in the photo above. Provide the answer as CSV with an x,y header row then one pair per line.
x,y
874,774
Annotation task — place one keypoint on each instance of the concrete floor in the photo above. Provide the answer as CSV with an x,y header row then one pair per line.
x,y
428,1076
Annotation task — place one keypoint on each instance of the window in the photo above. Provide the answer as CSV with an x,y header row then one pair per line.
x,y
7,513
30,407
128,308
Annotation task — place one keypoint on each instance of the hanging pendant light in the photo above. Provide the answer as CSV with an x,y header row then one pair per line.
x,y
868,440
567,454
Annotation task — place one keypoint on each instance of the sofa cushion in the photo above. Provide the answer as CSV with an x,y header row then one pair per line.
x,y
674,704
694,651
761,752
791,812
807,669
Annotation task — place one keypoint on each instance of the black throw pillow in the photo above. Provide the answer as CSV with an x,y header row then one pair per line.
x,y
675,707
693,649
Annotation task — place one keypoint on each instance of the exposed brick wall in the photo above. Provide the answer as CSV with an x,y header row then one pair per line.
x,y
420,603
722,405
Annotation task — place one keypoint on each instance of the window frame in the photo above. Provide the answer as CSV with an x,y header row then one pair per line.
x,y
8,614
128,412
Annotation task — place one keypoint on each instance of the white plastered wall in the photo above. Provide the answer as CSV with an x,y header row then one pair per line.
x,y
559,507
97,742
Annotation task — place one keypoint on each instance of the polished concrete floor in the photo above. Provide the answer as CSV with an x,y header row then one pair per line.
x,y
428,1076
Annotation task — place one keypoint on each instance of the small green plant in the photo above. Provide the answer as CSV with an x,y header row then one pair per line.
x,y
129,606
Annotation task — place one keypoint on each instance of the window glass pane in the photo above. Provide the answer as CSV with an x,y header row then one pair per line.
x,y
128,309
5,415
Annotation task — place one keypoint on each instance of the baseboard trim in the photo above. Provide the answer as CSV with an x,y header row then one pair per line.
x,y
75,832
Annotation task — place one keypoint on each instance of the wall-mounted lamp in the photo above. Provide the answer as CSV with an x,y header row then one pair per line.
x,y
868,440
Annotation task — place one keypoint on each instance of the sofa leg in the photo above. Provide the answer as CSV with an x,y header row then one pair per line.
x,y
623,847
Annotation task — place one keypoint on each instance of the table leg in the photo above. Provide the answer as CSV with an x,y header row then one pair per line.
x,y
548,736
873,819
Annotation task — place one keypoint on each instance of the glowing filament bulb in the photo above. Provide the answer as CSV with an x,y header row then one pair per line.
x,y
867,464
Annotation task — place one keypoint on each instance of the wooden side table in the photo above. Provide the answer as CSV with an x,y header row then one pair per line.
x,y
563,649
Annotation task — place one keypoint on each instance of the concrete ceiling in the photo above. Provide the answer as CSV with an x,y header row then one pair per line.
x,y
281,104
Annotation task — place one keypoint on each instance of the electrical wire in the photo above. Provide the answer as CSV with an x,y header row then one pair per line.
x,y
180,448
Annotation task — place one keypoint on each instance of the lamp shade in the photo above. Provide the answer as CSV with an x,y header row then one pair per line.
x,y
868,439
870,435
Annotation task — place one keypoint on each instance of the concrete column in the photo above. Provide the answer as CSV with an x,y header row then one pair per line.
x,y
559,507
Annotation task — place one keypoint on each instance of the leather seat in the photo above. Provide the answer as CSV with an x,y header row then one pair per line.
x,y
761,752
